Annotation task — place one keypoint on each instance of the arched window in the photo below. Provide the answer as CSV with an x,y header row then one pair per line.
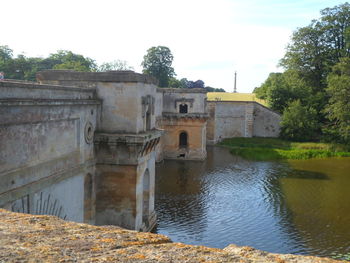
x,y
183,108
183,139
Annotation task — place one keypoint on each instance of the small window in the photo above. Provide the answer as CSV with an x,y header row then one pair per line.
x,y
183,140
183,108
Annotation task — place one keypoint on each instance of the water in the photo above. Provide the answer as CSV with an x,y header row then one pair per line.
x,y
299,207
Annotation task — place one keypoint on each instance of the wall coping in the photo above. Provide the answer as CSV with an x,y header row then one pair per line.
x,y
35,85
109,76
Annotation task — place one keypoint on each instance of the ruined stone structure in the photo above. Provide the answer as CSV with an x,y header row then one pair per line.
x,y
240,119
183,120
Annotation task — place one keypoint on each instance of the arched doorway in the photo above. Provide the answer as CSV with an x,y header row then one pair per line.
x,y
183,139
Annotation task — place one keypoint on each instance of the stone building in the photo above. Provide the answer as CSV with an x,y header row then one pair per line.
x,y
183,119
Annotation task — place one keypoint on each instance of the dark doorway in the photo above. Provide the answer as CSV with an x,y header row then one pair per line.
x,y
183,108
183,139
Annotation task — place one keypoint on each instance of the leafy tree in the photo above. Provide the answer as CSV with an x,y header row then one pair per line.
x,y
338,109
316,48
282,88
175,83
115,65
299,123
157,63
65,59
6,61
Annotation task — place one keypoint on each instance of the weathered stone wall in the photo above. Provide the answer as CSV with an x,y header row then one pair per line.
x,y
230,119
46,135
266,122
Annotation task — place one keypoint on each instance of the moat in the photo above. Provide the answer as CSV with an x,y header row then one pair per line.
x,y
299,207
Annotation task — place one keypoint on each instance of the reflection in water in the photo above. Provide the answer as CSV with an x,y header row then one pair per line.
x,y
261,204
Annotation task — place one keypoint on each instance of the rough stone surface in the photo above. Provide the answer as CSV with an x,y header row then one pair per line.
x,y
33,238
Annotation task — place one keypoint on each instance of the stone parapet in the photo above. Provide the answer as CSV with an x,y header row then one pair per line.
x,y
28,238
32,90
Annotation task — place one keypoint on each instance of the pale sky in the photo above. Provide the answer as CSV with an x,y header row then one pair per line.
x,y
210,40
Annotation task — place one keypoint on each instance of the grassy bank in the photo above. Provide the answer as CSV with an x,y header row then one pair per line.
x,y
264,149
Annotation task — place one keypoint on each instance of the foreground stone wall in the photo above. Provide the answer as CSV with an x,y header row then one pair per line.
x,y
28,238
46,156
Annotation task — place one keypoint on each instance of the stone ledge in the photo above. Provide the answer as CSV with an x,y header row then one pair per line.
x,y
48,102
34,238
178,90
109,76
34,85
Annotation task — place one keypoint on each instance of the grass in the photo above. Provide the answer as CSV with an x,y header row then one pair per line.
x,y
265,149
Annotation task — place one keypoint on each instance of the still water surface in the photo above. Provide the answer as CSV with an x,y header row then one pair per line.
x,y
299,207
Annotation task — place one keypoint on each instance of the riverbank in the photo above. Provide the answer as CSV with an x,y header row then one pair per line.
x,y
34,238
267,149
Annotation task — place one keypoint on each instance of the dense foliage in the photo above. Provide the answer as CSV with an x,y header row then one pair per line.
x,y
313,92
157,63
25,68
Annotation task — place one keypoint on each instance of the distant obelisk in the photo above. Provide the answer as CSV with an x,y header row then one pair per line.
x,y
235,87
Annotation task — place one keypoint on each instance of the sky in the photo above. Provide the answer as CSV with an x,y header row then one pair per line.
x,y
209,39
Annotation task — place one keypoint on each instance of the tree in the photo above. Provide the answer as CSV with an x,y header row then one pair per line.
x,y
282,88
299,123
157,63
65,59
338,108
115,65
316,48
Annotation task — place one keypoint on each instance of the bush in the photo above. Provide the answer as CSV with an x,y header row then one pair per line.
x,y
299,123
